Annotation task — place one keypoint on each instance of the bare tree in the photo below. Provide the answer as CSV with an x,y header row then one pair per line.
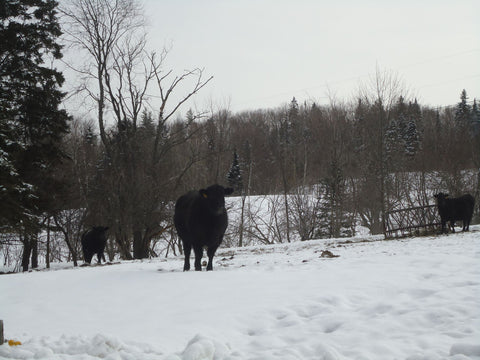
x,y
70,223
119,73
373,114
306,205
99,27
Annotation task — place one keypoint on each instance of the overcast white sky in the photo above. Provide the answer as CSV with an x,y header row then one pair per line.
x,y
263,52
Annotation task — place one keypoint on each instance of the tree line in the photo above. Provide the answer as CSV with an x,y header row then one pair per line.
x,y
331,167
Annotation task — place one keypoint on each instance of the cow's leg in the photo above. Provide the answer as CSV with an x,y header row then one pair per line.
x,y
444,230
210,253
452,225
88,256
85,253
99,257
187,249
198,257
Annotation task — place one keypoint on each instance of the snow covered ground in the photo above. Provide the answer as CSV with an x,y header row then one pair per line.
x,y
416,299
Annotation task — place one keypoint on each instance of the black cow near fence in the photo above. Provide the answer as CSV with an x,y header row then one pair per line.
x,y
453,209
201,220
94,242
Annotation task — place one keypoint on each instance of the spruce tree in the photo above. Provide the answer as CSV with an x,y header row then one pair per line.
x,y
147,122
234,176
391,140
463,111
411,135
401,115
31,123
475,113
411,138
293,110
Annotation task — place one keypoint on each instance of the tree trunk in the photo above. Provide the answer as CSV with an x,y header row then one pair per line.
x,y
27,250
287,214
242,221
123,247
140,246
72,250
477,195
34,243
47,257
377,226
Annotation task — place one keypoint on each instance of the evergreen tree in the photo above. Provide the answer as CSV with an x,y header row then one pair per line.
x,y
400,112
411,134
475,112
190,116
332,217
411,138
147,131
31,124
359,126
391,140
463,111
293,110
147,122
234,176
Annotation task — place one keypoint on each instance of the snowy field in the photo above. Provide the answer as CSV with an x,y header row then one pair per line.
x,y
416,299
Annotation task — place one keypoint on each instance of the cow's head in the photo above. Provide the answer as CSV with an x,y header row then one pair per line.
x,y
440,198
214,197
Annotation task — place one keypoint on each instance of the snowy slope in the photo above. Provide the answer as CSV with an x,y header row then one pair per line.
x,y
401,299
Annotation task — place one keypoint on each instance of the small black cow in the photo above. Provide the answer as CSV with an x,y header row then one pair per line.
x,y
201,220
452,209
93,242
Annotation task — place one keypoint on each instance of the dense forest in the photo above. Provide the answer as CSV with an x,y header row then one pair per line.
x,y
333,167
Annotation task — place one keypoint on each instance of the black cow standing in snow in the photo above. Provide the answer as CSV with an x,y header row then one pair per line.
x,y
93,242
201,220
452,209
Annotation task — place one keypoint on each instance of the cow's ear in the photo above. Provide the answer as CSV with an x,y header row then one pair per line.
x,y
203,192
228,191
446,196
